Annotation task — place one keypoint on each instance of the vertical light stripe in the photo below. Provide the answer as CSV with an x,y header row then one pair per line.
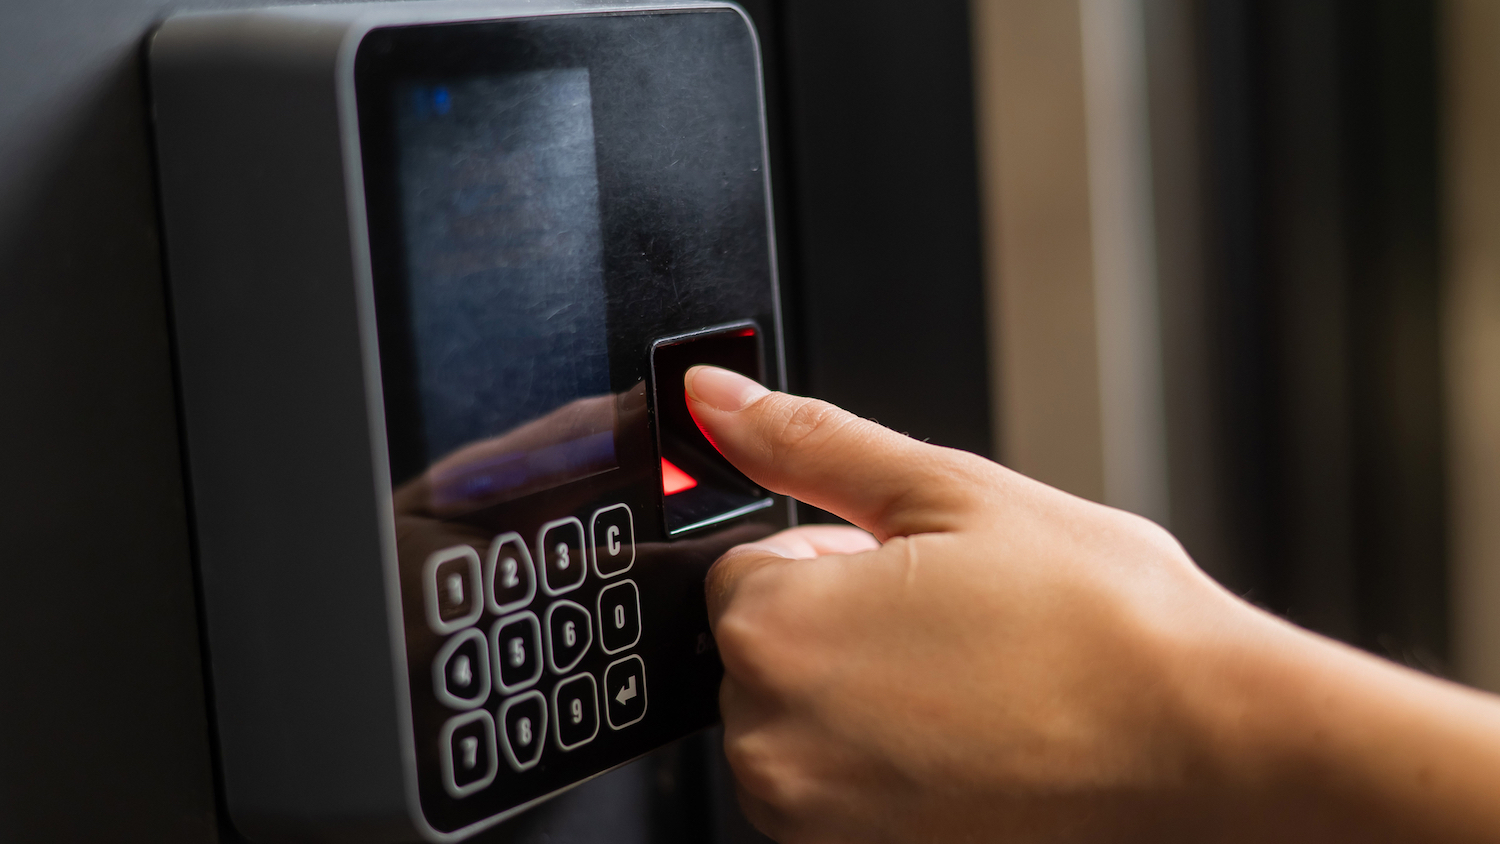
x,y
1471,332
1123,236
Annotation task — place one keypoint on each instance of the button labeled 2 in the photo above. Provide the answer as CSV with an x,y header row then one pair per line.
x,y
619,617
564,564
508,574
612,536
575,711
569,635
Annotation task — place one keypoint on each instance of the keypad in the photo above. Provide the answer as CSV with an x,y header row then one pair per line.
x,y
569,634
494,673
560,548
575,711
612,536
509,576
619,617
461,672
516,645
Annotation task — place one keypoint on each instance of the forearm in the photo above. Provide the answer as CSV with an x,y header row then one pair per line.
x,y
1319,742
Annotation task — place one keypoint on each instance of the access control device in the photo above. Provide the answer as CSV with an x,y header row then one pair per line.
x,y
436,273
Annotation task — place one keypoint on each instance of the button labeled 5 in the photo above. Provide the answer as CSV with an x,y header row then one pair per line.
x,y
612,536
515,649
560,546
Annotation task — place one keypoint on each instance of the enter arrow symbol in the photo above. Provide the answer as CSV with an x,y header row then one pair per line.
x,y
627,693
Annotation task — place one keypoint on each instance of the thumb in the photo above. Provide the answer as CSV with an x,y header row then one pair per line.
x,y
882,481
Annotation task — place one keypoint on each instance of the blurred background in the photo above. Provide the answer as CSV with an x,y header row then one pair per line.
x,y
1232,265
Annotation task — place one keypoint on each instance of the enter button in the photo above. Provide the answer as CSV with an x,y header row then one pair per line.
x,y
625,692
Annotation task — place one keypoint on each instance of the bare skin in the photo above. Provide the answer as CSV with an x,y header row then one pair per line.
x,y
991,659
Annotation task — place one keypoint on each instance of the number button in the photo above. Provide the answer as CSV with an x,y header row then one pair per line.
x,y
560,546
508,574
619,617
575,711
451,584
515,650
612,535
461,672
569,634
625,692
523,727
467,746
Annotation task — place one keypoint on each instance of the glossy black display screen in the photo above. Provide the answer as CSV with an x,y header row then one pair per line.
x,y
499,197
549,200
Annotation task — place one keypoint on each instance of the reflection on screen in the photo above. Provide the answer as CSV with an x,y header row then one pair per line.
x,y
500,209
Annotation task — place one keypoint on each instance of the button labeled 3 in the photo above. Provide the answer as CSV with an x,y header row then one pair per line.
x,y
612,536
461,672
515,649
619,617
560,546
467,746
625,692
575,711
569,635
523,729
508,574
451,587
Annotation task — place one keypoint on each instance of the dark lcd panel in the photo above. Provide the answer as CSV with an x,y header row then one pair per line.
x,y
499,199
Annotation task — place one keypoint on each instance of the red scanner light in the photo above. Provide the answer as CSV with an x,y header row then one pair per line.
x,y
674,480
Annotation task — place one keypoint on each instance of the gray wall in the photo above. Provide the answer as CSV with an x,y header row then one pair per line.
x,y
104,732
102,718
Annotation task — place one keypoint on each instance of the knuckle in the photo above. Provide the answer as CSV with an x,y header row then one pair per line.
x,y
809,423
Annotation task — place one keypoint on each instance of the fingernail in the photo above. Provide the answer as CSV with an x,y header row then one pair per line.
x,y
721,389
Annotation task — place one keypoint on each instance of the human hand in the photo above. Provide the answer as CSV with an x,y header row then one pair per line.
x,y
1002,661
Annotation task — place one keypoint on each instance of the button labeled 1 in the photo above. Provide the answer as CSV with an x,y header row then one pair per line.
x,y
575,711
515,649
560,544
612,535
523,729
450,585
619,617
569,635
625,691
